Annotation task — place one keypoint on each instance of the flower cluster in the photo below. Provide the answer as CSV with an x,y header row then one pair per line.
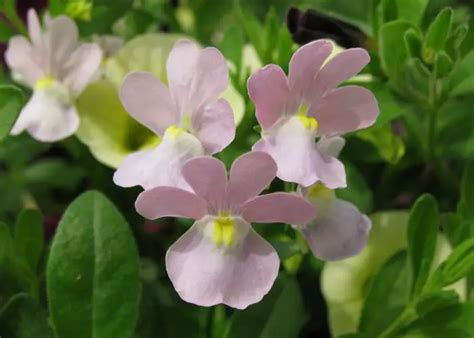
x,y
220,259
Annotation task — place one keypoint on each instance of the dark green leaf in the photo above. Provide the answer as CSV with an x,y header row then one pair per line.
x,y
422,232
6,32
6,242
437,35
413,43
92,272
280,314
411,10
29,237
387,296
357,191
55,173
466,202
11,102
232,45
443,64
435,300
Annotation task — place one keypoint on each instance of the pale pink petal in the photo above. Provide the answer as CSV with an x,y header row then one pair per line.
x,y
34,27
210,80
250,174
292,146
170,202
346,109
82,67
148,101
207,177
337,233
204,275
23,61
306,63
180,69
278,207
268,89
60,39
46,118
161,166
330,170
331,146
341,67
214,125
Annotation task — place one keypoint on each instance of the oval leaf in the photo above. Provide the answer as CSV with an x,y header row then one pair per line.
x,y
11,102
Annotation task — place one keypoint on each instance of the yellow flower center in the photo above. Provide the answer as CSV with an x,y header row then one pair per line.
x,y
321,195
223,230
174,131
308,122
45,82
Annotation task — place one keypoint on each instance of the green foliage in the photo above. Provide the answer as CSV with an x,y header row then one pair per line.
x,y
11,102
437,35
29,237
92,272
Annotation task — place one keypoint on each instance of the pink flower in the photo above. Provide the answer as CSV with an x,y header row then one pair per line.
x,y
58,68
189,116
221,259
339,230
294,111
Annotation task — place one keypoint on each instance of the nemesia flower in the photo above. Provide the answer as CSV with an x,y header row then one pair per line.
x,y
339,230
221,259
189,115
294,111
57,67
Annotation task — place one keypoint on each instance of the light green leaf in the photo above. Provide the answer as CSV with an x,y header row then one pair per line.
x,y
387,296
413,43
389,146
411,10
93,272
422,233
232,45
466,87
11,102
29,237
437,35
280,314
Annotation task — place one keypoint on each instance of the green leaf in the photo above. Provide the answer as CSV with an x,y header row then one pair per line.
x,y
271,30
389,146
254,30
232,45
459,264
422,234
6,32
387,296
92,272
443,64
357,191
453,321
463,70
29,236
55,173
23,317
417,79
284,48
392,48
6,242
411,10
437,35
435,300
413,43
466,202
280,314
11,102
466,87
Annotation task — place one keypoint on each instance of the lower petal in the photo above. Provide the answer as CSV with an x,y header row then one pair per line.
x,y
47,118
160,166
340,231
207,275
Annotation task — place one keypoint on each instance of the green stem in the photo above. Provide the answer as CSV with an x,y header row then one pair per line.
x,y
407,316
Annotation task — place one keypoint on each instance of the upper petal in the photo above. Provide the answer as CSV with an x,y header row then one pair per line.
x,y
23,61
306,63
339,232
82,67
206,276
148,101
330,170
207,176
214,125
346,109
268,89
341,67
60,39
34,27
47,118
278,207
331,146
170,202
250,174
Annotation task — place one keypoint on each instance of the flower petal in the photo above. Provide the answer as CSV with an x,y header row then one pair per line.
x,y
23,61
330,170
346,109
82,66
207,176
148,101
341,67
46,118
268,89
250,174
170,202
306,63
214,126
160,166
339,232
60,39
278,207
34,27
205,276
331,146
180,68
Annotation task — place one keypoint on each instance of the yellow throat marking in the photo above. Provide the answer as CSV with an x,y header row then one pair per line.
x,y
223,230
308,122
174,131
320,191
45,82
